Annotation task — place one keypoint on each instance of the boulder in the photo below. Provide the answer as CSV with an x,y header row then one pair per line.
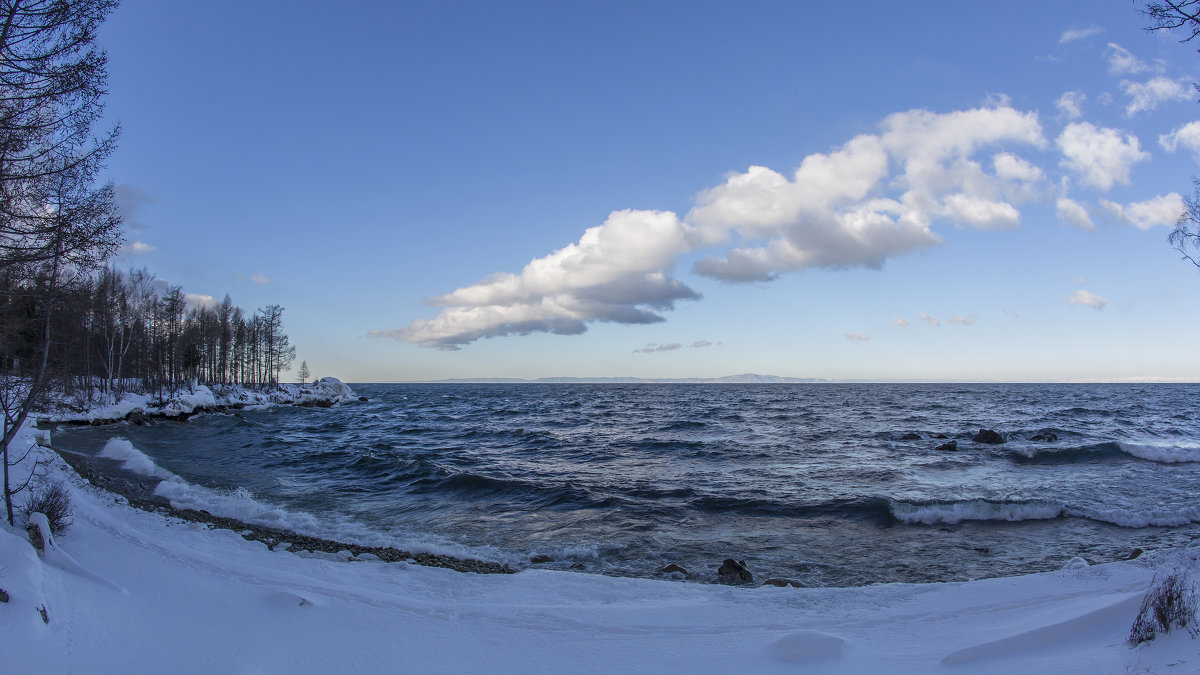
x,y
1135,554
3,595
734,573
988,436
910,436
952,445
363,399
1044,437
783,583
672,569
941,436
539,559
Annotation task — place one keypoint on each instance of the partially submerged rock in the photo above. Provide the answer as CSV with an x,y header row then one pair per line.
x,y
952,445
1044,437
911,436
781,582
672,568
734,573
988,436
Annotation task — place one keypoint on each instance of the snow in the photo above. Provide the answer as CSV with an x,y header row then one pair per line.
x,y
174,596
199,397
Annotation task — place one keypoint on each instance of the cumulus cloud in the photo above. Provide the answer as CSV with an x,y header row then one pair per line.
x,y
1122,62
900,321
1082,297
1187,136
1160,210
961,320
857,337
873,198
617,271
193,300
1099,155
1072,212
1146,96
1073,34
137,248
1070,104
929,320
841,209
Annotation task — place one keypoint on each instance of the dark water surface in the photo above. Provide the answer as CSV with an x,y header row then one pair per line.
x,y
809,481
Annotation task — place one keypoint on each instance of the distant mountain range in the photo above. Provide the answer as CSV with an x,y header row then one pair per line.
x,y
744,378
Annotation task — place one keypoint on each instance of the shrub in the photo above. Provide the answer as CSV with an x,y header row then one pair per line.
x,y
54,502
1171,603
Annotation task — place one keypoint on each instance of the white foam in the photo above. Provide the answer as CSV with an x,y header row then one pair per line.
x,y
1168,454
975,509
133,459
1135,519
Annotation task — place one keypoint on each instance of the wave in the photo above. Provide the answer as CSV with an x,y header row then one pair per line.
x,y
1153,452
954,512
950,513
132,459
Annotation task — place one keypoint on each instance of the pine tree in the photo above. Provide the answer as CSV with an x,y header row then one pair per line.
x,y
303,373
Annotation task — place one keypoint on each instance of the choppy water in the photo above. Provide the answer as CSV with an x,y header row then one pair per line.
x,y
812,482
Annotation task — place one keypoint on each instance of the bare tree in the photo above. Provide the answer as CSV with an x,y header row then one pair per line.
x,y
304,373
1172,15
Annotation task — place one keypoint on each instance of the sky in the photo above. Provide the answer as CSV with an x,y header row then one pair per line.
x,y
897,191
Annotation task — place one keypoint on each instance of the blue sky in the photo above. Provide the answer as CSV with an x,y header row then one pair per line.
x,y
897,191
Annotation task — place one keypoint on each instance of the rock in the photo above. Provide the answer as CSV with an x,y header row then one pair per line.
x,y
1044,437
941,436
952,445
539,559
363,399
671,569
1135,554
910,436
988,436
3,595
139,418
734,573
783,583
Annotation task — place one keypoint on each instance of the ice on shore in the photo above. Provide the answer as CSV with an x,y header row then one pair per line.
x,y
203,600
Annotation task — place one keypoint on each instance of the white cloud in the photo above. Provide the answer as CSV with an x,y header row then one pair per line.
x,y
1122,62
1099,155
838,210
961,320
701,343
929,320
651,348
617,272
1070,104
873,198
857,337
1072,212
1160,210
1010,312
1082,297
1146,96
1073,34
1187,136
901,322
137,248
193,300
259,279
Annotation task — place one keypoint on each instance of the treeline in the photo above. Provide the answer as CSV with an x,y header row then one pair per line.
x,y
118,331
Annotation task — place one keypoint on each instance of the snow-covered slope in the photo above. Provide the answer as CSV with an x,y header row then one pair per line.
x,y
128,591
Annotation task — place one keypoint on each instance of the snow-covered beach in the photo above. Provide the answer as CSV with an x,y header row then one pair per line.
x,y
125,590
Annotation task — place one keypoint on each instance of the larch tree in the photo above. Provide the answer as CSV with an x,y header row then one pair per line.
x,y
56,222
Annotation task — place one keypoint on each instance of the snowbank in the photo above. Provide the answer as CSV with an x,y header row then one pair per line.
x,y
187,599
201,398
